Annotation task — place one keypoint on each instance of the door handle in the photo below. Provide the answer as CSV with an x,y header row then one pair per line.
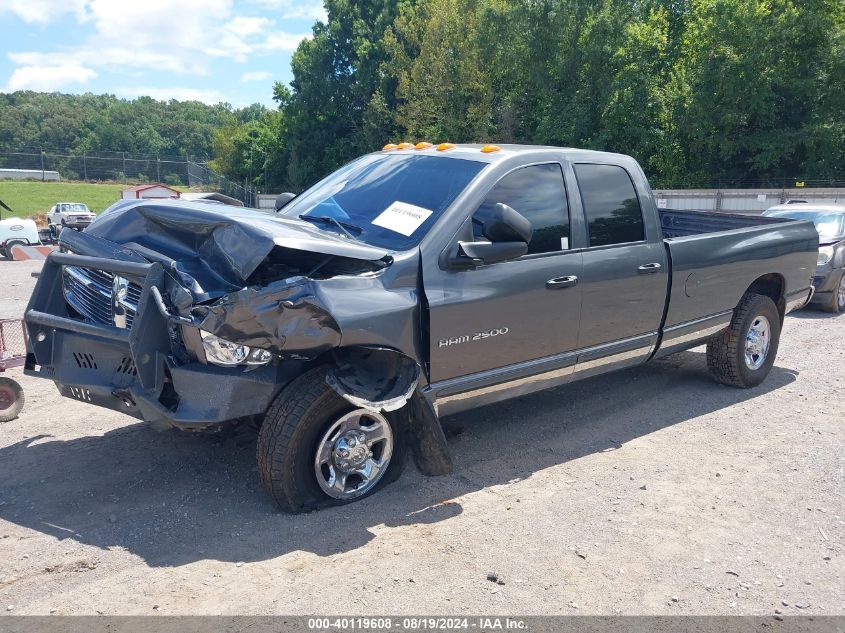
x,y
562,282
649,269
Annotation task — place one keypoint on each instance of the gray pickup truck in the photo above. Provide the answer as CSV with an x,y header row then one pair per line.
x,y
412,283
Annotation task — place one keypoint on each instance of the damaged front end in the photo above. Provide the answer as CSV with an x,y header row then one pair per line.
x,y
193,319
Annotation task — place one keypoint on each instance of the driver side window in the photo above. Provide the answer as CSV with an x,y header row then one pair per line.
x,y
537,192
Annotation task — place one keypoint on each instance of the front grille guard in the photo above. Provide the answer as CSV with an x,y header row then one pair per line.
x,y
148,341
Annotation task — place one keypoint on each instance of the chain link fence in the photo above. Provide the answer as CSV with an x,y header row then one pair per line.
x,y
123,167
753,201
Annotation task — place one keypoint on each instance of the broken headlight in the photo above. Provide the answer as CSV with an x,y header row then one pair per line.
x,y
825,255
219,351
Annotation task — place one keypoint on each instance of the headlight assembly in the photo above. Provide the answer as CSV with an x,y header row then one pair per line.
x,y
219,351
825,255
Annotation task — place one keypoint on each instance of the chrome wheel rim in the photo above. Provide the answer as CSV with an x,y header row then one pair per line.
x,y
353,454
840,295
757,342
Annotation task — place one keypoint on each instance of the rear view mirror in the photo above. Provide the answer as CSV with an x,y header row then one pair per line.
x,y
282,199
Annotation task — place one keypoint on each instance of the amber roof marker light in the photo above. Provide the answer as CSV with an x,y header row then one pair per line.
x,y
489,149
423,145
444,146
389,147
405,146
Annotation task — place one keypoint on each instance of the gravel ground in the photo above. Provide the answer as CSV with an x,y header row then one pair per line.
x,y
649,491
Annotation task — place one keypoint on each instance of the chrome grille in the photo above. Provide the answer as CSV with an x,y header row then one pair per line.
x,y
89,292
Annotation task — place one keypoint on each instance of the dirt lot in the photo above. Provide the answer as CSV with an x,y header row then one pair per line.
x,y
651,491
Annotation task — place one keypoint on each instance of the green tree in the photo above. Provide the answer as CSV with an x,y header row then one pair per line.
x,y
339,102
755,73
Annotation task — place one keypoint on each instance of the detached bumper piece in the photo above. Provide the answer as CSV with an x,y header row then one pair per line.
x,y
134,365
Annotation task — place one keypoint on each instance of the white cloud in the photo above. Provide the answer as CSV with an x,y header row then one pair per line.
x,y
114,58
256,75
245,26
210,97
281,41
290,9
137,38
43,11
180,37
48,78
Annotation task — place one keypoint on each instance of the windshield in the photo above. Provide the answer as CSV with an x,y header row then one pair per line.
x,y
829,225
75,207
386,200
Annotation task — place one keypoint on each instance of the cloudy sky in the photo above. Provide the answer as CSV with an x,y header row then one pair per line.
x,y
209,50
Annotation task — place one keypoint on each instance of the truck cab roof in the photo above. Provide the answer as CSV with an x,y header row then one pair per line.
x,y
473,151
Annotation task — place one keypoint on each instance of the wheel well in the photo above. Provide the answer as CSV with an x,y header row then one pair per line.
x,y
772,286
383,378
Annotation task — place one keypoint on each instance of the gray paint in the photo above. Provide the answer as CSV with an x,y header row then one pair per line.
x,y
614,316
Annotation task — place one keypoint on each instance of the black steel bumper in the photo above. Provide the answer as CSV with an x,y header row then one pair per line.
x,y
134,370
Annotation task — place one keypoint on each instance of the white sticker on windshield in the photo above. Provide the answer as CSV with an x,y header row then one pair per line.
x,y
402,217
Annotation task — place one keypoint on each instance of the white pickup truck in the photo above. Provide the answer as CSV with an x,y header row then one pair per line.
x,y
76,215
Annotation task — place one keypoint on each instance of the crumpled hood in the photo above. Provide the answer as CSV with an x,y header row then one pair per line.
x,y
218,246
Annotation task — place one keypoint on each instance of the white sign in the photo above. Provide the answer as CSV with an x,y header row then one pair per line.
x,y
761,197
662,203
402,217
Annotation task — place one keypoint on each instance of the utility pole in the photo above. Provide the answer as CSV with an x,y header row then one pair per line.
x,y
158,169
43,176
84,167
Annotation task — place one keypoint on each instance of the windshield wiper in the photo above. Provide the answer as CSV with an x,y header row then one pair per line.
x,y
327,219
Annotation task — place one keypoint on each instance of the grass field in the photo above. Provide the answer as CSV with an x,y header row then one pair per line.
x,y
30,198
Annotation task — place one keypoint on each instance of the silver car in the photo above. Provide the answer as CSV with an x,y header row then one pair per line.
x,y
829,280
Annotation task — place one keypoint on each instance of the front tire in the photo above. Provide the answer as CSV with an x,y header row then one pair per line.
x,y
836,303
743,355
316,450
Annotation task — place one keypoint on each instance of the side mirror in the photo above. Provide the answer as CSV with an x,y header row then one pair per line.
x,y
508,232
282,199
471,254
505,224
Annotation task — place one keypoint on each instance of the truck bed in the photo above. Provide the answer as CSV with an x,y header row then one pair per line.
x,y
715,257
676,223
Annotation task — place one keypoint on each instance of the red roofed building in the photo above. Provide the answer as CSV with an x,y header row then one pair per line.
x,y
154,190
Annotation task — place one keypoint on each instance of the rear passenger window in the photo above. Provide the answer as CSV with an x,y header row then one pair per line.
x,y
538,193
611,205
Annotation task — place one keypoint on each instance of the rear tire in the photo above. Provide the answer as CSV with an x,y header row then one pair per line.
x,y
11,399
294,430
836,303
743,355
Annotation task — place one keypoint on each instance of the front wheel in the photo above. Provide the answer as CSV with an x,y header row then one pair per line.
x,y
836,303
315,449
11,399
743,355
